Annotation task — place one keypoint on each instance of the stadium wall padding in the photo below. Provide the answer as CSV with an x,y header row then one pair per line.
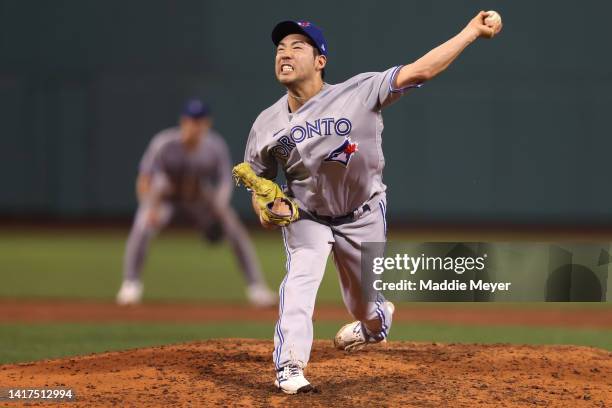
x,y
517,130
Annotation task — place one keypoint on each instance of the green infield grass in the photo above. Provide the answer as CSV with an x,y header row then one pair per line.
x,y
86,264
181,266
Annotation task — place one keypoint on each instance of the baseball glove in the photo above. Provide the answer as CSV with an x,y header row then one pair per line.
x,y
267,196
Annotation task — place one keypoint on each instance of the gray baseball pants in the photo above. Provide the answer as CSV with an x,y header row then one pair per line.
x,y
308,244
233,230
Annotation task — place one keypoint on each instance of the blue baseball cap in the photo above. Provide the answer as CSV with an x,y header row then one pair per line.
x,y
284,28
195,109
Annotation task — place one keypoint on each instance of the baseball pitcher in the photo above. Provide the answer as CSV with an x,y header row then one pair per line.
x,y
327,140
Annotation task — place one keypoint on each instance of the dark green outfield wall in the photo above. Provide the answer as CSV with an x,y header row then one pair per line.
x,y
517,130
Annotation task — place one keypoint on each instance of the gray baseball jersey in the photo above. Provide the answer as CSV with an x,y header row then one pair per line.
x,y
197,179
208,167
331,153
330,149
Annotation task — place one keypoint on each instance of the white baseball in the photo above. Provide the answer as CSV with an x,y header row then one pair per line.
x,y
493,19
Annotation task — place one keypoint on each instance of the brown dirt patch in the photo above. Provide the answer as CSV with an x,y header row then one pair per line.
x,y
238,372
87,311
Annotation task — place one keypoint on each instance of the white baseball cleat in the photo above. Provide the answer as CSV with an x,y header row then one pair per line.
x,y
354,337
290,380
130,293
260,296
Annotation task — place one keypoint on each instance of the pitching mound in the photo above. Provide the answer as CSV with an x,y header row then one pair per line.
x,y
237,372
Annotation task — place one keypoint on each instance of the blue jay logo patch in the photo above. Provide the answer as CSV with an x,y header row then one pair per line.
x,y
343,153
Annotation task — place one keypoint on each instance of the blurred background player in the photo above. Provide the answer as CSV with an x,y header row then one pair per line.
x,y
187,169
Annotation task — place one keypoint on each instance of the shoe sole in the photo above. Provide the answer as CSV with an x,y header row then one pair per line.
x,y
350,348
302,390
337,338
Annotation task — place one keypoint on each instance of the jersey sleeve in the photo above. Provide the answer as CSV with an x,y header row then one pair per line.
x,y
256,154
378,91
151,160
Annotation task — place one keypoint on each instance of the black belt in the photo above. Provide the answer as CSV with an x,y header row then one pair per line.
x,y
339,220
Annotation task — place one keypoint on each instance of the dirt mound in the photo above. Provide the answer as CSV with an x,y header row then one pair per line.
x,y
238,372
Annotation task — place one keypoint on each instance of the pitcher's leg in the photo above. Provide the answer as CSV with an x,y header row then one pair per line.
x,y
373,311
307,246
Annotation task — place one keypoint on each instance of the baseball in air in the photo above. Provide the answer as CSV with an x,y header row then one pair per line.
x,y
493,20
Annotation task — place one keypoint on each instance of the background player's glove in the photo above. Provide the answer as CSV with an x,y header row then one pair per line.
x,y
267,193
213,233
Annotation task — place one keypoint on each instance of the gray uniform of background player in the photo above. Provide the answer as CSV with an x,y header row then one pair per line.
x,y
198,183
324,180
